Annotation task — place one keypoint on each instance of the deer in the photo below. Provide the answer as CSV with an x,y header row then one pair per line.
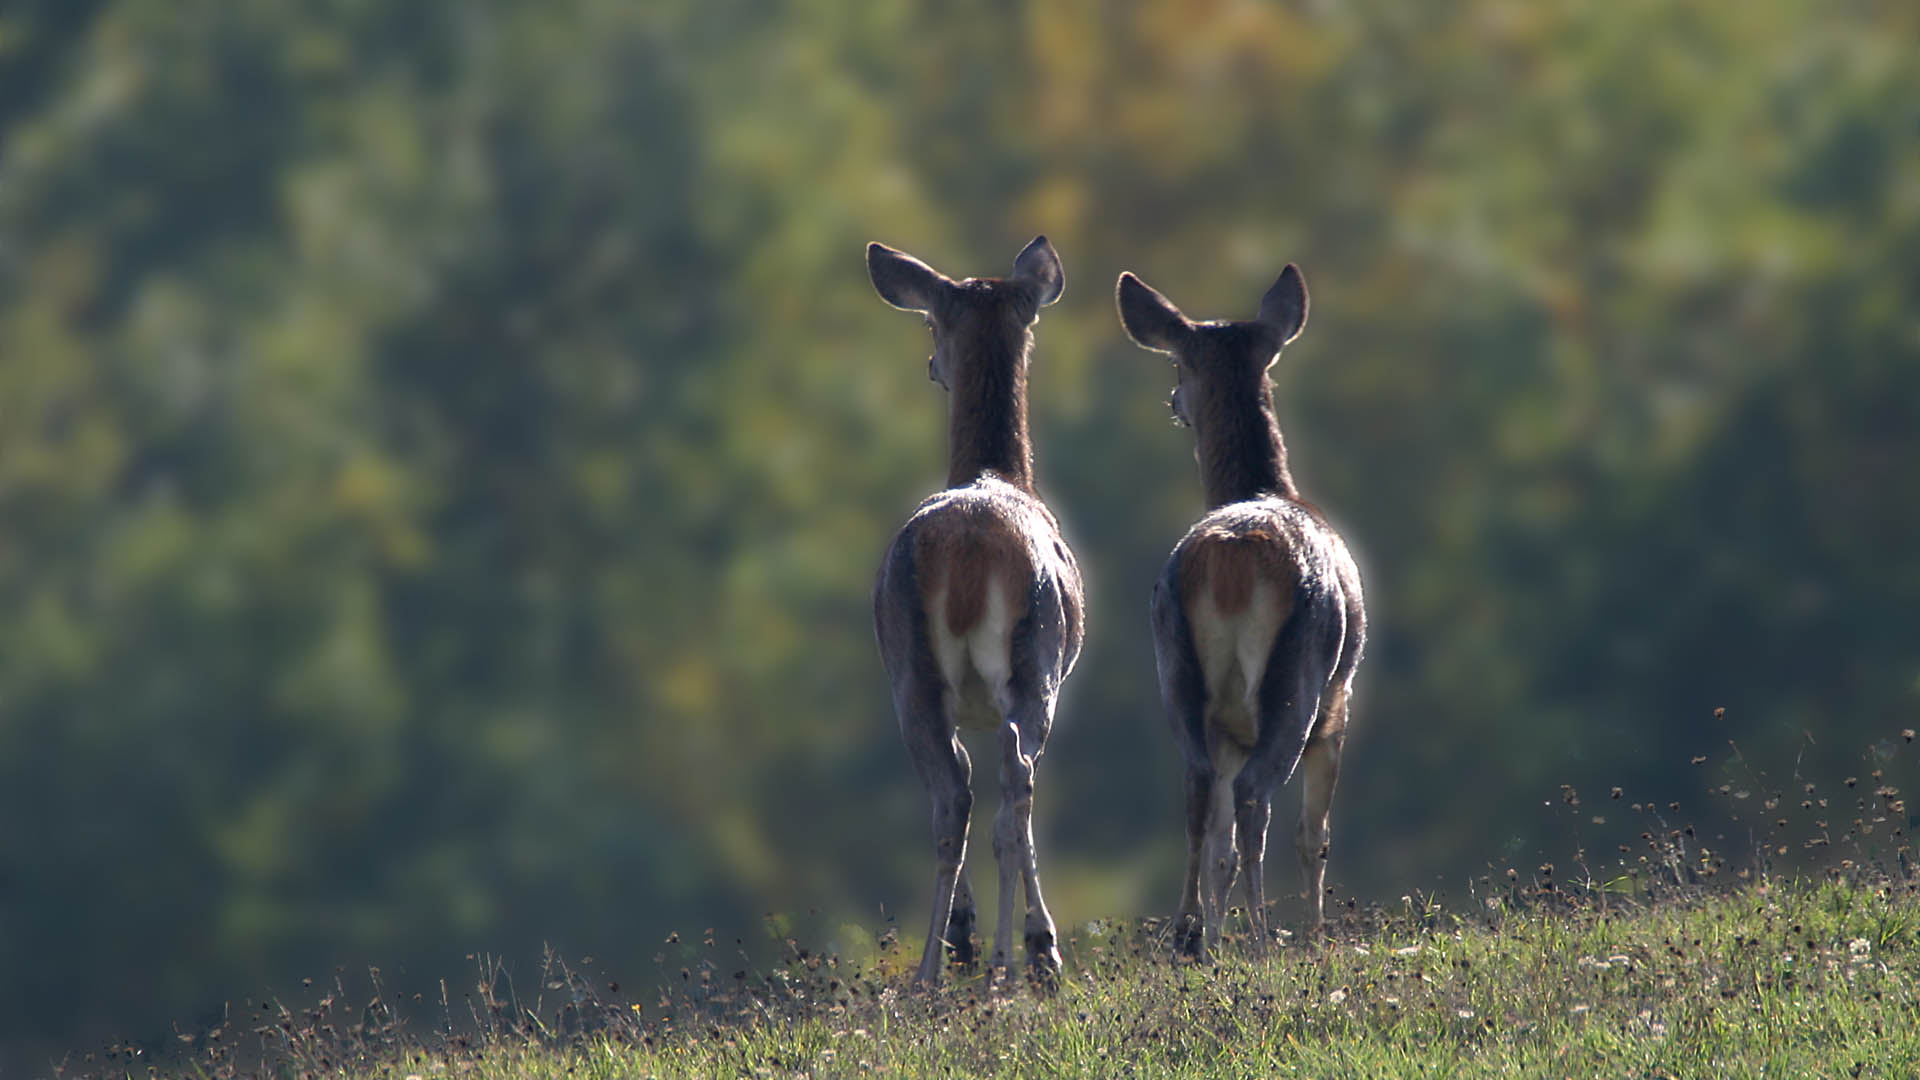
x,y
1258,618
978,603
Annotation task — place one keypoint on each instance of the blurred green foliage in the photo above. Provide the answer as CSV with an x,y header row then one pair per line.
x,y
444,449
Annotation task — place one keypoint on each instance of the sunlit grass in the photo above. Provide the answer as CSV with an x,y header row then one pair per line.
x,y
1661,956
1774,978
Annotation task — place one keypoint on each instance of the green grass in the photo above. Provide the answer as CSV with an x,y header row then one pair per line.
x,y
1776,979
1663,961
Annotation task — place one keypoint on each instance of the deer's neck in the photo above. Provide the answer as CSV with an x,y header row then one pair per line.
x,y
1241,453
987,419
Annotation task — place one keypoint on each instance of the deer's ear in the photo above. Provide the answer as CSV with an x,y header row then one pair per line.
x,y
1150,319
1039,265
902,280
1285,306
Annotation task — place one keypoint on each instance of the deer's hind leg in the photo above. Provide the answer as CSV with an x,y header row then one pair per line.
x,y
1183,693
1039,655
1221,849
963,945
1021,742
943,766
1319,773
1251,815
1189,924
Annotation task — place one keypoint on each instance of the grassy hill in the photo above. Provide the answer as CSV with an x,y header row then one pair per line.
x,y
1771,978
1673,956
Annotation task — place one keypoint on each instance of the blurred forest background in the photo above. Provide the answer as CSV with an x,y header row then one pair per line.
x,y
445,448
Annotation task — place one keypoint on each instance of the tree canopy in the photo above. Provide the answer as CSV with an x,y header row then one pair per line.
x,y
445,449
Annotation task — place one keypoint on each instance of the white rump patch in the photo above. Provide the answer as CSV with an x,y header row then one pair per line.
x,y
976,666
1233,651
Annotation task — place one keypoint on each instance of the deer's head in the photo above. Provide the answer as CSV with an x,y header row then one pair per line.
x,y
1219,366
966,315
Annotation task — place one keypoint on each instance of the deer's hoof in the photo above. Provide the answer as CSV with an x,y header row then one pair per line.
x,y
963,951
1189,937
1043,960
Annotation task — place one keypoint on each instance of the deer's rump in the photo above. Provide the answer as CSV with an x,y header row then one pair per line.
x,y
1252,617
979,591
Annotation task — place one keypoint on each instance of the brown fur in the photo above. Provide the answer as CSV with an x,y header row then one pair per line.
x,y
1229,565
1242,455
987,420
973,554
